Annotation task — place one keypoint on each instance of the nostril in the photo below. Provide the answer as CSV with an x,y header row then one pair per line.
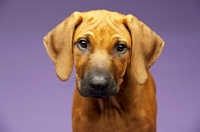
x,y
93,87
104,89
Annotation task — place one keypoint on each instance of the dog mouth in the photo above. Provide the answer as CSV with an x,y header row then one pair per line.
x,y
97,96
104,94
87,92
98,91
97,83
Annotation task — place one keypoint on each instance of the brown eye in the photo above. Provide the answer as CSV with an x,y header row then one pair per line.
x,y
121,48
82,44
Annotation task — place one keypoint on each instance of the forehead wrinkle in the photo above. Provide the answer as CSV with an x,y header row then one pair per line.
x,y
121,32
87,34
118,37
88,24
110,31
119,28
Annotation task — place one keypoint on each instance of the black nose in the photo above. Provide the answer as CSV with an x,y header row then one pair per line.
x,y
98,85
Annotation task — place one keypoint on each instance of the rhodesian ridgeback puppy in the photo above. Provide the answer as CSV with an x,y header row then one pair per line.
x,y
112,54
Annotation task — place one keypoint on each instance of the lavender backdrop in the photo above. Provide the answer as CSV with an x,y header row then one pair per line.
x,y
33,99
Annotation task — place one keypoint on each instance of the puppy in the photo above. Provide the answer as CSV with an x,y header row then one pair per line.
x,y
112,54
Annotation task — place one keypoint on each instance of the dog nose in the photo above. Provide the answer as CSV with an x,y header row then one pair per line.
x,y
98,84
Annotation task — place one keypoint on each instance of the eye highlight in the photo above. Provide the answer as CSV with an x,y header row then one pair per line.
x,y
82,44
121,48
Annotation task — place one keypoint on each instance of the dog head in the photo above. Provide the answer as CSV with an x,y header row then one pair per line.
x,y
103,46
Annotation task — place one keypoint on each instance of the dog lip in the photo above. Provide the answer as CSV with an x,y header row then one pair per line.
x,y
98,93
83,92
97,96
103,94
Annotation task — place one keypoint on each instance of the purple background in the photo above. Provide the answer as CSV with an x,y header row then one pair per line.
x,y
33,99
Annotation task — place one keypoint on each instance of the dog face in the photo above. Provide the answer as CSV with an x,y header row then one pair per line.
x,y
101,54
103,46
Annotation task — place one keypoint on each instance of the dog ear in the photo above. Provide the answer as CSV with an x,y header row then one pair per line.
x,y
58,44
146,47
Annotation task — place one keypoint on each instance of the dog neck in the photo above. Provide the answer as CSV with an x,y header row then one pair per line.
x,y
109,103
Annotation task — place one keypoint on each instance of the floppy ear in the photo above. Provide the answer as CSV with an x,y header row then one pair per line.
x,y
146,47
58,44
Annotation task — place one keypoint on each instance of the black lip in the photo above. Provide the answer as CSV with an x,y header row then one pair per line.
x,y
97,97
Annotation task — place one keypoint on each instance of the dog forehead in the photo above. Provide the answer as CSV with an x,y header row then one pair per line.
x,y
100,14
99,19
102,25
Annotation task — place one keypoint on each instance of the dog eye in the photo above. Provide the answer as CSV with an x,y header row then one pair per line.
x,y
82,44
121,48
